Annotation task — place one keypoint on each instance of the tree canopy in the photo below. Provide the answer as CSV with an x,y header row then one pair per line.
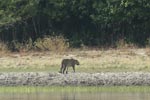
x,y
88,22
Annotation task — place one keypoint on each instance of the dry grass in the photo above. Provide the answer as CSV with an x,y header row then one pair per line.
x,y
90,60
51,43
57,44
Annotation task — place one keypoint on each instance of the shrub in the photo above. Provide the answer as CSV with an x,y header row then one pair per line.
x,y
122,44
16,46
3,47
148,42
51,43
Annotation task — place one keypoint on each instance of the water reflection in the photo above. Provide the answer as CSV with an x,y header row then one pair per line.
x,y
75,96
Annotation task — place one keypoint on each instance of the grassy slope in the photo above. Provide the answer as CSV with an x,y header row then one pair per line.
x,y
90,61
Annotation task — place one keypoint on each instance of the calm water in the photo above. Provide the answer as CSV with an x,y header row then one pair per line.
x,y
76,96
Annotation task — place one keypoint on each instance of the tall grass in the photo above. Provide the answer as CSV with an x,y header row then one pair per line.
x,y
3,48
123,44
48,43
53,43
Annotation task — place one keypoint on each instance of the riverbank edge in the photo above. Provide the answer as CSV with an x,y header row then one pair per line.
x,y
74,79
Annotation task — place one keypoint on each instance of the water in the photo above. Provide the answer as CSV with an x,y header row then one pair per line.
x,y
75,96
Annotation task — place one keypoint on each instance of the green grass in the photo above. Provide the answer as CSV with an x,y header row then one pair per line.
x,y
123,89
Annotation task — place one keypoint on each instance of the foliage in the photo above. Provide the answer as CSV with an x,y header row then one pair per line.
x,y
88,22
57,44
48,43
3,47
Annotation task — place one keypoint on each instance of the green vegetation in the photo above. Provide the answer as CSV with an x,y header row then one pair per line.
x,y
82,22
120,89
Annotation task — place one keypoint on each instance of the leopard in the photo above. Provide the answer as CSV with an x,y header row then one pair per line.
x,y
68,63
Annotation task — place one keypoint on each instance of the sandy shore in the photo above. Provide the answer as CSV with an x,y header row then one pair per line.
x,y
74,79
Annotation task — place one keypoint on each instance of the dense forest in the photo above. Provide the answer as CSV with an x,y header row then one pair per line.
x,y
88,22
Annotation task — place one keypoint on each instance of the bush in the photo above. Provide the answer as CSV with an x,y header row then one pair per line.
x,y
3,47
16,46
51,43
122,44
148,42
